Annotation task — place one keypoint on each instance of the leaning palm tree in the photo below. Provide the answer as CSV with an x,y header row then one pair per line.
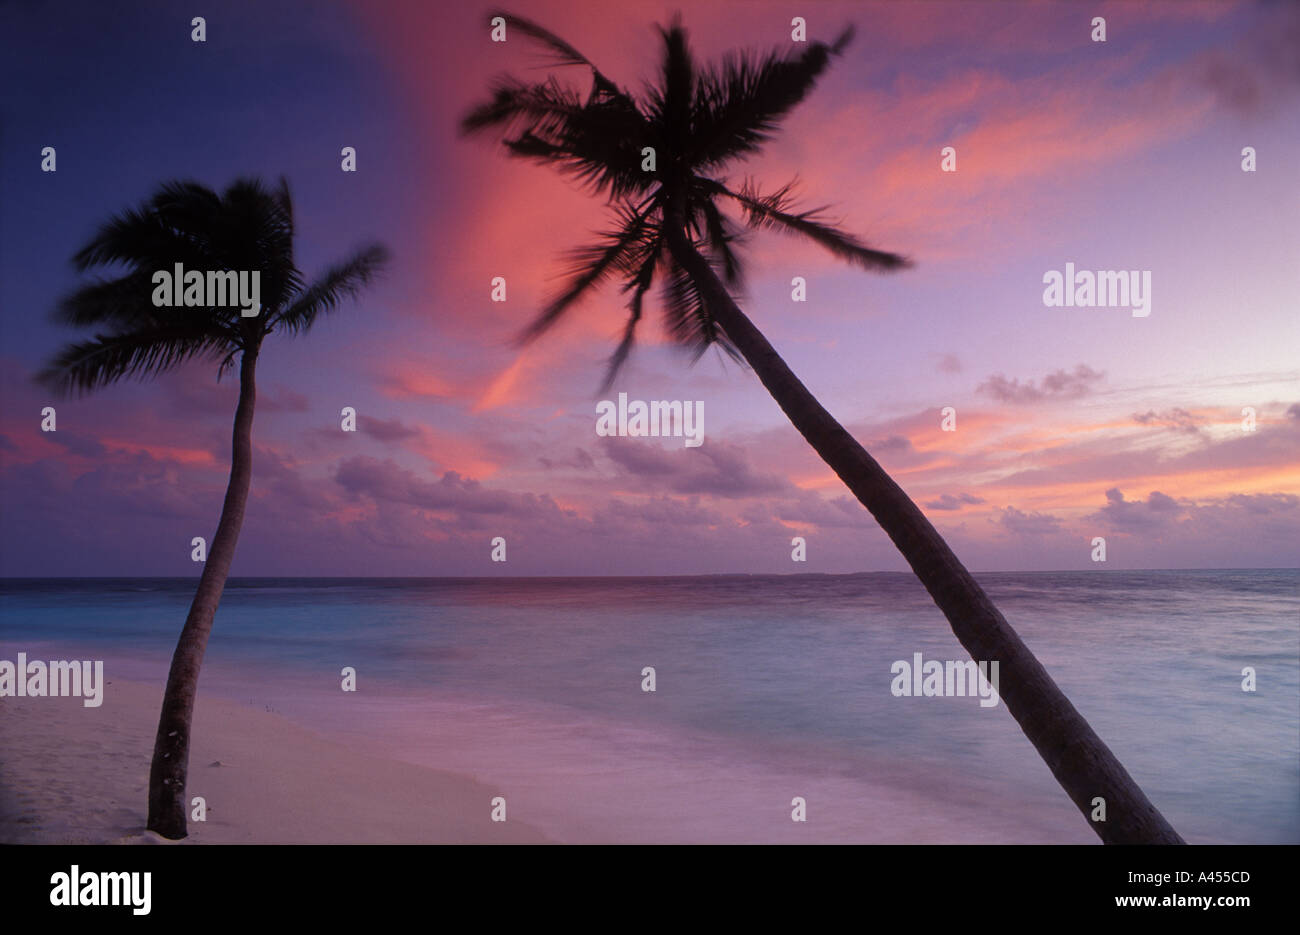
x,y
669,225
249,228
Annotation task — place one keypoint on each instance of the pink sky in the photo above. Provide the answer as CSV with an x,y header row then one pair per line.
x,y
1072,422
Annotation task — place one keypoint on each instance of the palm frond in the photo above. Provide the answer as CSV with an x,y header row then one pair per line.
x,y
546,105
639,285
777,211
740,103
142,238
562,53
687,317
141,353
722,237
341,281
597,144
119,302
249,228
590,265
597,141
255,232
670,102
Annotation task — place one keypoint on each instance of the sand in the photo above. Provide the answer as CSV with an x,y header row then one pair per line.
x,y
76,775
386,766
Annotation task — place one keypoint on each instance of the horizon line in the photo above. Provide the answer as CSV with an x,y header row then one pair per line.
x,y
737,574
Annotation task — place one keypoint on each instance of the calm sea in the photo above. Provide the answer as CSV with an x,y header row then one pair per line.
x,y
768,687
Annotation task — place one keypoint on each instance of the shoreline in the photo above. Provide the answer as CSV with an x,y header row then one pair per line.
x,y
77,775
429,773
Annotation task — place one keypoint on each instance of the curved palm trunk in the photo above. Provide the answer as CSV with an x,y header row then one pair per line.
x,y
1081,763
171,751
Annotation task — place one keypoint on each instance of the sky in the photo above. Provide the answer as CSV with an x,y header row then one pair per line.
x,y
1071,422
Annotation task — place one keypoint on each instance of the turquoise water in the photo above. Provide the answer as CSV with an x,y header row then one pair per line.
x,y
538,681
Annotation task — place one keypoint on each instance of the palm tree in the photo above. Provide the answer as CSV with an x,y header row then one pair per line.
x,y
247,228
669,225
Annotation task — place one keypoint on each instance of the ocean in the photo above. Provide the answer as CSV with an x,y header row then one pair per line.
x,y
767,688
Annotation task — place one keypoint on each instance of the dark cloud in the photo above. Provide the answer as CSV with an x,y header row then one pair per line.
x,y
1063,384
1178,419
892,443
385,430
1262,504
1156,511
715,468
1028,524
194,391
809,507
1260,71
949,502
387,481
580,460
1252,521
949,363
663,511
77,444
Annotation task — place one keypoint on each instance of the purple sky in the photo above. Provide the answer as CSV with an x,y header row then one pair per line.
x,y
1071,422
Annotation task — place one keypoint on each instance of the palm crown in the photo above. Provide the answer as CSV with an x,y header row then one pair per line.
x,y
698,120
248,227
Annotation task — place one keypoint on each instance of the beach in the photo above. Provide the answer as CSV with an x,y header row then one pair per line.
x,y
769,689
77,775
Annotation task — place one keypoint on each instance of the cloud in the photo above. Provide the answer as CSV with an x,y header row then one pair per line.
x,y
1028,524
194,391
1261,523
616,516
716,468
891,443
949,502
386,430
580,460
949,363
1129,515
1177,418
78,444
1062,384
811,508
387,481
1261,70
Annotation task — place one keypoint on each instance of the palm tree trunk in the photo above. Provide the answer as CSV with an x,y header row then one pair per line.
x,y
171,751
1077,757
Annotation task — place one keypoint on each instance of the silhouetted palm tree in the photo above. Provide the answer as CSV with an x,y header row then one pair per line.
x,y
669,226
248,228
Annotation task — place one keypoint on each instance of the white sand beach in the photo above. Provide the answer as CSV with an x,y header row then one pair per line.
x,y
72,774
